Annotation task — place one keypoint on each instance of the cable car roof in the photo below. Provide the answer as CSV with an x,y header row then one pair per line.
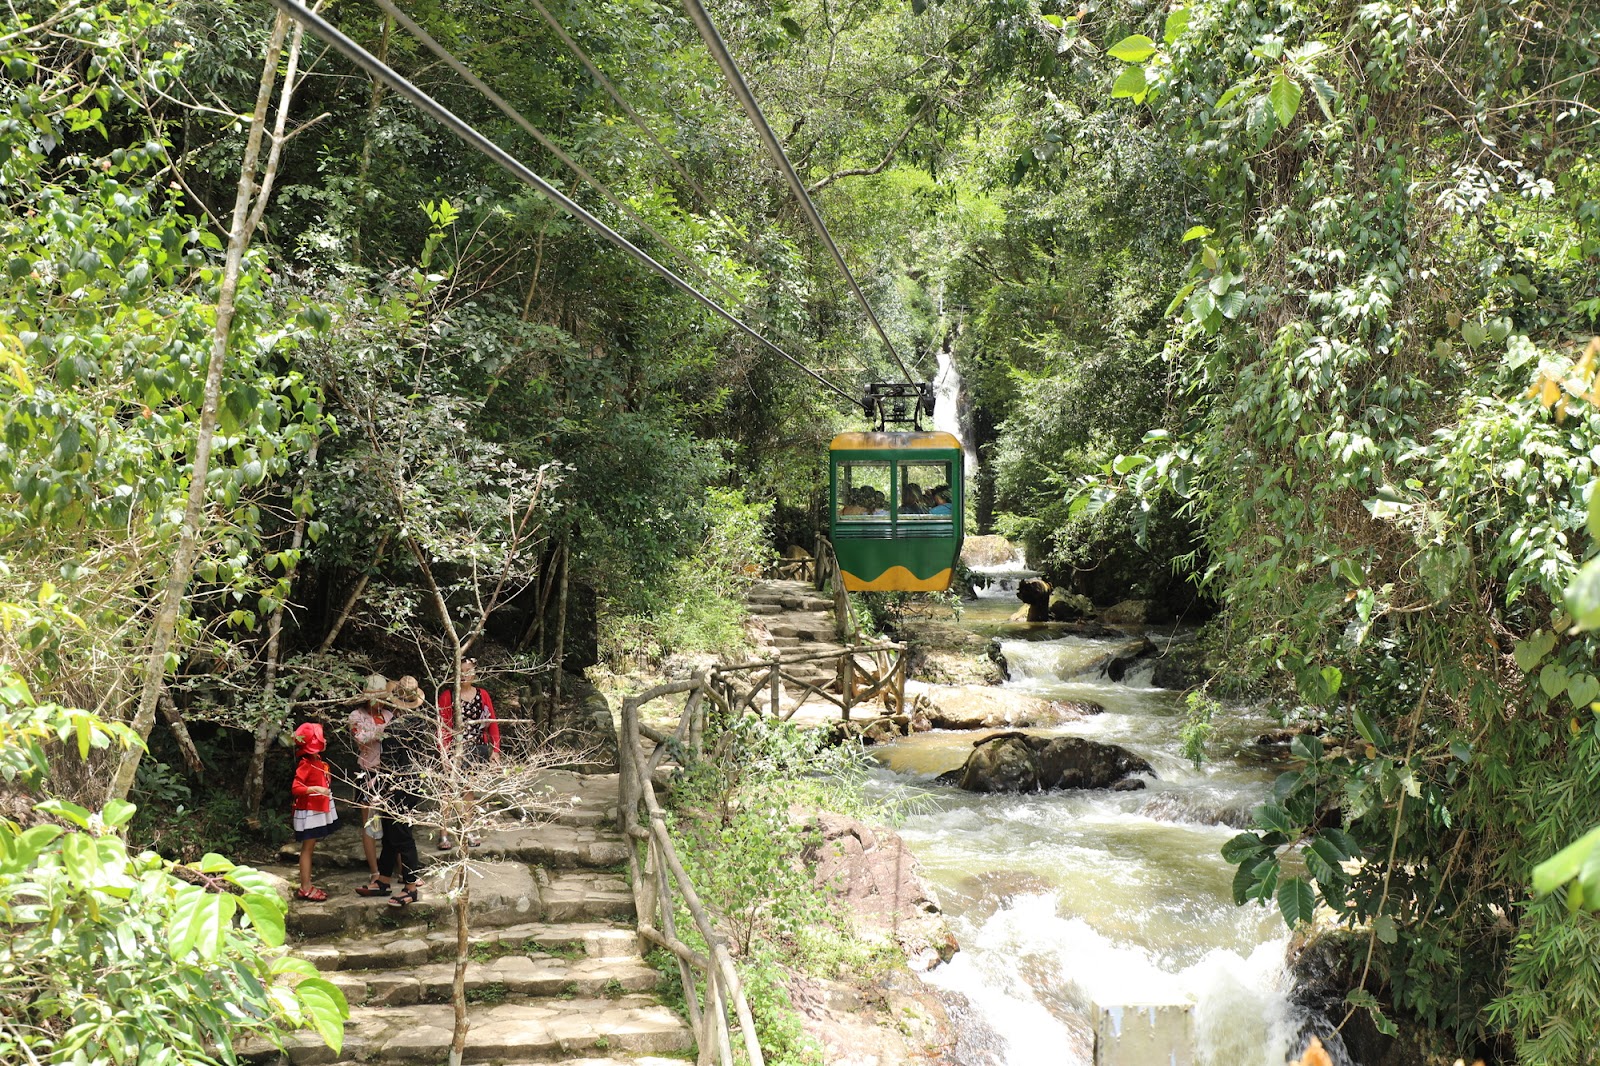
x,y
895,441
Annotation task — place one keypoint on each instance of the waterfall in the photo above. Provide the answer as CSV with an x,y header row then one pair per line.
x,y
947,406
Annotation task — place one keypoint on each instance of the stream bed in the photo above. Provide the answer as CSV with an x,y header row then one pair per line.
x,y
1067,899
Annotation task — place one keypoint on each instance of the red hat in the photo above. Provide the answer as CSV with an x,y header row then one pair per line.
x,y
308,738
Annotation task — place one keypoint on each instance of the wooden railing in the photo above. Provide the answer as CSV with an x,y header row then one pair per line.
x,y
711,985
829,579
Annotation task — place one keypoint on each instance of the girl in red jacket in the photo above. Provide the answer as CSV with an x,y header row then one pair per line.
x,y
314,814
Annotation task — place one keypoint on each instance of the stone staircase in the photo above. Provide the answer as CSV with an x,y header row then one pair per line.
x,y
792,617
556,974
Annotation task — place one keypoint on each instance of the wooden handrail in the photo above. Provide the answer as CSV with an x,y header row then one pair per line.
x,y
829,578
659,880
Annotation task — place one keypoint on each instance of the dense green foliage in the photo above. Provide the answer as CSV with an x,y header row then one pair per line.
x,y
107,956
1277,304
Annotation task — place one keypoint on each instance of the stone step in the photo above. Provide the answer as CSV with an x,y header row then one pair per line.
x,y
552,845
596,940
536,1030
498,980
791,603
764,608
502,894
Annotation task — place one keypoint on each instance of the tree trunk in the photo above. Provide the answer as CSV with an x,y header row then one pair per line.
x,y
173,591
267,729
561,633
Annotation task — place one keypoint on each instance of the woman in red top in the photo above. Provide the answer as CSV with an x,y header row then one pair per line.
x,y
314,813
481,742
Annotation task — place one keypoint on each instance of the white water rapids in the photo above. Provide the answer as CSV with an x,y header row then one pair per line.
x,y
1065,900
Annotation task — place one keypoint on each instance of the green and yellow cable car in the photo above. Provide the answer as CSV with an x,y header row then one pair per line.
x,y
896,509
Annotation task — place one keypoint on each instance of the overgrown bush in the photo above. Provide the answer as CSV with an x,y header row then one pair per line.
x,y
697,607
739,819
108,956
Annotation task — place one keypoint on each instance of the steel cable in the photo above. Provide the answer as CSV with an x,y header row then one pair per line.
x,y
741,92
450,60
297,10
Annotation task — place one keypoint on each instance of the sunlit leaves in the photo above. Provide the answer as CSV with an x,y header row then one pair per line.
x,y
1133,49
1296,902
1130,83
1285,97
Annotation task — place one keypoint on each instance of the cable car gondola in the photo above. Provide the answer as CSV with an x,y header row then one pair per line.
x,y
895,515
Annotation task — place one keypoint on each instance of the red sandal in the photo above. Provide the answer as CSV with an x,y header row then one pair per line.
x,y
312,895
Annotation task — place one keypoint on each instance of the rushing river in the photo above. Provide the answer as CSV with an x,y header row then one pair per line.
x,y
1064,900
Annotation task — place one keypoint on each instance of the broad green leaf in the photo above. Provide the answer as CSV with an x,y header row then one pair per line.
x,y
1593,521
1332,677
1474,334
1194,233
326,1008
1565,864
266,916
1285,98
1583,596
1134,49
1177,22
1275,819
117,813
1130,83
1553,679
1328,851
1348,846
78,816
1531,652
1126,463
1383,928
212,863
1244,879
1306,746
1296,902
1242,847
1582,689
1370,731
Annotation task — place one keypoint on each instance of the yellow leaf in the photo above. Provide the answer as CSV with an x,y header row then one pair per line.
x,y
1549,391
1574,726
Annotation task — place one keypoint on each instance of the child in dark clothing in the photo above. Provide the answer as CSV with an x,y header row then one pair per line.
x,y
314,813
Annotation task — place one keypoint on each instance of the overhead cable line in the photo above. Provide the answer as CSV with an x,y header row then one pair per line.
x,y
741,91
611,90
297,10
545,142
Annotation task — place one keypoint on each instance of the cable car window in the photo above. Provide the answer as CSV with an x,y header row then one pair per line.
x,y
863,492
924,491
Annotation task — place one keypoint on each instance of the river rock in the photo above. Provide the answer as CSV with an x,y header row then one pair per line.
x,y
1181,666
1069,606
1117,666
1035,592
990,707
1020,762
988,551
1127,613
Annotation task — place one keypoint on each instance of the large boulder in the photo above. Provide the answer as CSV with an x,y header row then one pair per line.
x,y
1001,763
1035,592
1127,613
1181,666
991,707
1020,762
1067,606
989,550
